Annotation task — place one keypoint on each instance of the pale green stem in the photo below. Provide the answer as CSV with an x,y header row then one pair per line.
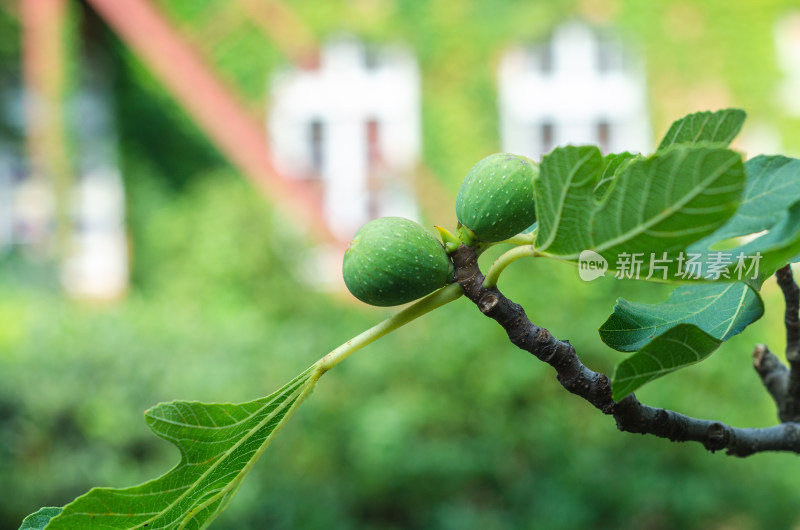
x,y
521,239
504,260
426,305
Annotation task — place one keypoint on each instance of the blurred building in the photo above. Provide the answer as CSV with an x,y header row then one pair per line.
x,y
27,205
787,47
96,261
581,86
93,257
6,201
351,128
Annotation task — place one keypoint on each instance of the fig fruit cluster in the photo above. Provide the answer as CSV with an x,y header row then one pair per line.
x,y
392,260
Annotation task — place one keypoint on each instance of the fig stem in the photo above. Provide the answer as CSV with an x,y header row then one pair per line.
x,y
433,301
520,239
506,259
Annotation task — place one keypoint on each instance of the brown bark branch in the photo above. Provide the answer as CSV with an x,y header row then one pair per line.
x,y
594,387
791,295
774,375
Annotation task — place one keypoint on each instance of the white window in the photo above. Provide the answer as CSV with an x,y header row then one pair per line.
x,y
96,265
351,129
581,86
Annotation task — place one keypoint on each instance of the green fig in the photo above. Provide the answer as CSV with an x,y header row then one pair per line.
x,y
393,260
495,200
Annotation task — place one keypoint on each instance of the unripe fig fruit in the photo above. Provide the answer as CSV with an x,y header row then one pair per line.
x,y
495,200
392,261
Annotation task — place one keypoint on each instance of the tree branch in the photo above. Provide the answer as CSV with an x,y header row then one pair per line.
x,y
594,387
774,375
791,295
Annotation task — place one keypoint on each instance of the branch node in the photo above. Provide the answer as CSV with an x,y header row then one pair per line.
x,y
759,354
544,336
603,390
717,437
487,303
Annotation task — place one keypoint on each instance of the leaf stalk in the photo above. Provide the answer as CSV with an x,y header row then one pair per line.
x,y
433,301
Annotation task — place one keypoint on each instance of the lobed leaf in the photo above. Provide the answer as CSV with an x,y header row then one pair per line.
x,y
778,246
761,257
771,203
563,194
680,346
613,164
40,518
772,186
720,309
218,443
719,127
660,203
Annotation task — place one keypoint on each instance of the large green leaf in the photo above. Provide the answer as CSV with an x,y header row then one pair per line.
x,y
720,309
779,246
40,518
680,346
756,260
772,186
563,194
660,203
771,202
219,443
613,164
719,127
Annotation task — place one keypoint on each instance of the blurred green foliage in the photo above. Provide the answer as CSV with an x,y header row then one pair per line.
x,y
9,66
443,424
